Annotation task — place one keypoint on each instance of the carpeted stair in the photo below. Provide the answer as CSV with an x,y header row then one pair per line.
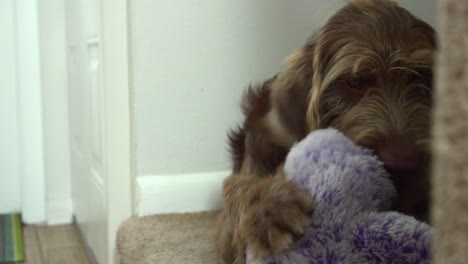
x,y
171,238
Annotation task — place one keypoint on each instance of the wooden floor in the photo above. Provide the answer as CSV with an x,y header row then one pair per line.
x,y
54,245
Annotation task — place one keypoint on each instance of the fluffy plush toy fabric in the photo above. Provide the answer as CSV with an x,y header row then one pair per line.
x,y
351,222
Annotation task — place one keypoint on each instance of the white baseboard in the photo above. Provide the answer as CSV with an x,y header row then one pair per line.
x,y
59,212
195,192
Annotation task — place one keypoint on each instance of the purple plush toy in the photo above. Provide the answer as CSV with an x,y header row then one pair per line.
x,y
352,193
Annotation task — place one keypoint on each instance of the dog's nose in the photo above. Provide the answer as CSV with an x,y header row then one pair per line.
x,y
397,156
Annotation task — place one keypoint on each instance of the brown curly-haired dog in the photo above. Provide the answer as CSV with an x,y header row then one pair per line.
x,y
366,72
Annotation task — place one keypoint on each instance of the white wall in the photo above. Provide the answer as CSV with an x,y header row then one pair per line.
x,y
10,196
193,59
55,110
191,62
423,9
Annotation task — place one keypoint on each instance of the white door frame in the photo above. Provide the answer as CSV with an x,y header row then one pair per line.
x,y
117,109
31,160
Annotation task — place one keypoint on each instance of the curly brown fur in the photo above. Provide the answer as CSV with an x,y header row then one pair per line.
x,y
366,72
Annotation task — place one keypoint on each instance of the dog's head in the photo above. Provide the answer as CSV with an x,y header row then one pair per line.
x,y
368,73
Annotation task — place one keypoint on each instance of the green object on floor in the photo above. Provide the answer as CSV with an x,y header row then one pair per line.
x,y
11,240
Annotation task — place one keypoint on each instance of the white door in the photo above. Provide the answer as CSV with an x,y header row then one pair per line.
x,y
99,120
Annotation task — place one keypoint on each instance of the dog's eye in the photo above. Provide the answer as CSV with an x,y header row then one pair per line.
x,y
355,84
417,79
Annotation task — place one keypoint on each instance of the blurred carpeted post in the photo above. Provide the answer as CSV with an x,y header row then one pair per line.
x,y
450,169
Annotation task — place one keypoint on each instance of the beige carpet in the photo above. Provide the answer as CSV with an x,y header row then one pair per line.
x,y
173,238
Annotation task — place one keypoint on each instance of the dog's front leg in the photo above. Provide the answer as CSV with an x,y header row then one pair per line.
x,y
268,214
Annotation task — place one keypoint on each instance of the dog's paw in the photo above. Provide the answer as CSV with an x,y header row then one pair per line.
x,y
275,214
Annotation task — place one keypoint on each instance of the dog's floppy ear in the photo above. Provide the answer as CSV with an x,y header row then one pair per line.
x,y
295,98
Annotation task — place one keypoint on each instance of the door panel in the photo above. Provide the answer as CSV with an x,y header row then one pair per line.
x,y
95,92
77,132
